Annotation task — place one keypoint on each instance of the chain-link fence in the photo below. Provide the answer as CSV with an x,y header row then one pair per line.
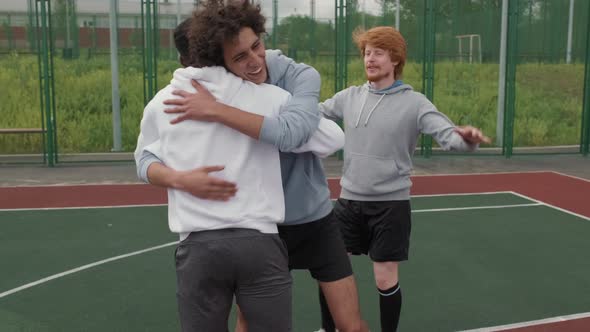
x,y
61,81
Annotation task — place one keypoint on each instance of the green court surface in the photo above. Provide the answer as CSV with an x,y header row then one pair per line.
x,y
475,261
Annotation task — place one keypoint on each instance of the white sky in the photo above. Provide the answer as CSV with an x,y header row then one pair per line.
x,y
324,8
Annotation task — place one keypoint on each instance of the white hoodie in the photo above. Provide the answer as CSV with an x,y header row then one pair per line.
x,y
253,165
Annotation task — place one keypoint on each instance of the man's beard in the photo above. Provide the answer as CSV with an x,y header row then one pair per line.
x,y
375,77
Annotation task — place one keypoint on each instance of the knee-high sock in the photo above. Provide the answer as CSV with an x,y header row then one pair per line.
x,y
390,304
327,320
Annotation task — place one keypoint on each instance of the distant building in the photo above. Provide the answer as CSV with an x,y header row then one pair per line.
x,y
92,23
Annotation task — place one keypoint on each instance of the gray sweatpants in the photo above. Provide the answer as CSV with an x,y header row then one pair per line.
x,y
213,266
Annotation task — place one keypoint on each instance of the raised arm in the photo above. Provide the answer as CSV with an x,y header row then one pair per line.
x,y
299,118
446,134
291,128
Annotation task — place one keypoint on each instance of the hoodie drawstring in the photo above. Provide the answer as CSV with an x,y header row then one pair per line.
x,y
374,107
370,112
361,110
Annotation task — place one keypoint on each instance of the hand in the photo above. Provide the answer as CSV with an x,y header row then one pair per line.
x,y
192,106
472,135
199,183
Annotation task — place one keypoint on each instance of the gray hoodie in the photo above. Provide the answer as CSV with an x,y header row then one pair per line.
x,y
382,130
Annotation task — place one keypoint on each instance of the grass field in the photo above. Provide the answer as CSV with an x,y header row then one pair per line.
x,y
549,99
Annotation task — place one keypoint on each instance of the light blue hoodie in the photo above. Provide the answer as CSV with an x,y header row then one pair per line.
x,y
307,196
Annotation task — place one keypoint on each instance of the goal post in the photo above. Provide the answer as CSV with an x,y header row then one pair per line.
x,y
470,39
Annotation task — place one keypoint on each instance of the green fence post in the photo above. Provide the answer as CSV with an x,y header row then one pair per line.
x,y
428,66
585,136
31,36
149,40
383,13
275,23
10,34
46,81
52,83
341,45
341,29
71,30
511,60
312,39
156,22
93,37
75,30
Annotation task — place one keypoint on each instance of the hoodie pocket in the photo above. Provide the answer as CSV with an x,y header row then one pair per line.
x,y
370,175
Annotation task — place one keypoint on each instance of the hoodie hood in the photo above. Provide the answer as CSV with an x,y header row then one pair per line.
x,y
397,86
221,83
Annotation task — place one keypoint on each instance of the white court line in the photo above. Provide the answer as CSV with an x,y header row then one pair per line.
x,y
83,267
57,185
540,321
478,207
82,207
552,206
530,323
467,174
465,194
571,176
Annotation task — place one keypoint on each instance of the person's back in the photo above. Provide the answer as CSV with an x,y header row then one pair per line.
x,y
252,165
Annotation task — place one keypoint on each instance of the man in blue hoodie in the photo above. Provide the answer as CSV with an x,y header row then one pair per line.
x,y
383,120
313,239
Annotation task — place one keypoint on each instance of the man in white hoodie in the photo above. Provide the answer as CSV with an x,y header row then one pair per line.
x,y
383,120
228,248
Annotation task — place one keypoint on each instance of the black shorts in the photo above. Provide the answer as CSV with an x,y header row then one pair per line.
x,y
379,229
318,247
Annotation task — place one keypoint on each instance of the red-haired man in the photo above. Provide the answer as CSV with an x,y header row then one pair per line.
x,y
383,120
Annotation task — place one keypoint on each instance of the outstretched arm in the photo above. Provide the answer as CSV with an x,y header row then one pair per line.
x,y
299,118
446,134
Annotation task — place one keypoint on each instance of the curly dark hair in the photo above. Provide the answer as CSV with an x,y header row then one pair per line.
x,y
181,41
214,23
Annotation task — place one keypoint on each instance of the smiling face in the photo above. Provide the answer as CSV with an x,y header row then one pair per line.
x,y
378,65
383,50
245,56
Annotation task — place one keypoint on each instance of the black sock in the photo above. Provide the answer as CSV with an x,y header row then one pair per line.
x,y
390,304
327,321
